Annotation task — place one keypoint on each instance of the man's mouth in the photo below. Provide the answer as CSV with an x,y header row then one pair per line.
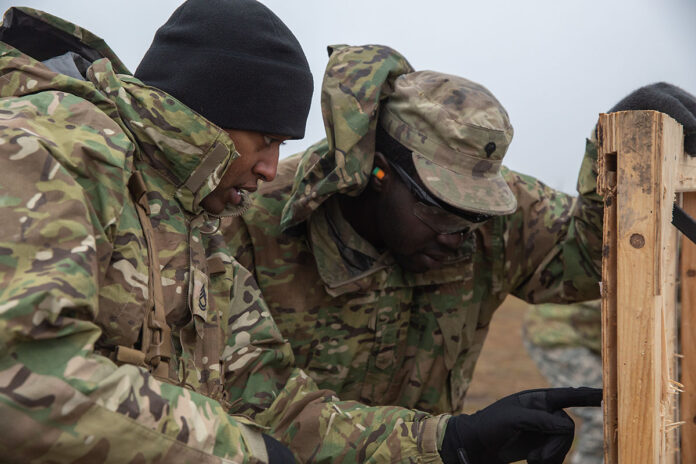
x,y
440,256
438,259
236,195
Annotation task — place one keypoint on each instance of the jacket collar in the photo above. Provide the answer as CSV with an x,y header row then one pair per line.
x,y
187,149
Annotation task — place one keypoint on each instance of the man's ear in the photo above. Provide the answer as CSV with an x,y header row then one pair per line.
x,y
382,177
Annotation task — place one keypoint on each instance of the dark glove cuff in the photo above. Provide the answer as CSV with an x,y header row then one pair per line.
x,y
460,434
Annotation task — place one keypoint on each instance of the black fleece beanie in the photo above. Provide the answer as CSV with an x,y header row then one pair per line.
x,y
235,63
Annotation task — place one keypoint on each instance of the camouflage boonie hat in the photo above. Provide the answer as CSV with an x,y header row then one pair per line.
x,y
458,133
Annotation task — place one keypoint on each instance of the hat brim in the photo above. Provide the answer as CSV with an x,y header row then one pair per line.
x,y
484,193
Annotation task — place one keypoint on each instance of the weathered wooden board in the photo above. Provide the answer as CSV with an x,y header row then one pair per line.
x,y
640,154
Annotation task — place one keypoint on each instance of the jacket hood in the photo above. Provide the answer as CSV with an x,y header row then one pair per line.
x,y
356,80
187,149
43,36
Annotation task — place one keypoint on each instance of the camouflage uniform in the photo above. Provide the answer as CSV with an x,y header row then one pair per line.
x,y
357,322
565,343
105,357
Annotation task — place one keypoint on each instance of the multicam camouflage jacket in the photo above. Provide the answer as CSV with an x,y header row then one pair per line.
x,y
100,178
357,322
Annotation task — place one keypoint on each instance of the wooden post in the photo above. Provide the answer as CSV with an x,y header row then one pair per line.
x,y
641,168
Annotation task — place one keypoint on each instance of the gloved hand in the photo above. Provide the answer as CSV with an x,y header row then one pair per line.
x,y
527,425
668,99
278,453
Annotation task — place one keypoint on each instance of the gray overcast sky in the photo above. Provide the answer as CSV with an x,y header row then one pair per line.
x,y
555,65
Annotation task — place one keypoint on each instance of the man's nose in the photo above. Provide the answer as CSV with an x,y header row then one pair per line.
x,y
267,167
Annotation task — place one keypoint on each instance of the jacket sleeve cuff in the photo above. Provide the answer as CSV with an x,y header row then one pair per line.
x,y
433,433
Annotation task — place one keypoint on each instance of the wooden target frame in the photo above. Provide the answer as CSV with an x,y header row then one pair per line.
x,y
649,366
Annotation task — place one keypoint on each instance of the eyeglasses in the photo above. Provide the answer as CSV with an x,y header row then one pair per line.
x,y
432,213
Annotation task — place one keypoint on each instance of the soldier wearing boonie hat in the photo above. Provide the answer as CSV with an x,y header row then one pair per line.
x,y
384,249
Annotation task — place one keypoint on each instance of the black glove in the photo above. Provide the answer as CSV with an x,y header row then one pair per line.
x,y
668,99
528,425
278,453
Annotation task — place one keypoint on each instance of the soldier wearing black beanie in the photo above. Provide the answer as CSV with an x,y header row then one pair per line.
x,y
235,63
